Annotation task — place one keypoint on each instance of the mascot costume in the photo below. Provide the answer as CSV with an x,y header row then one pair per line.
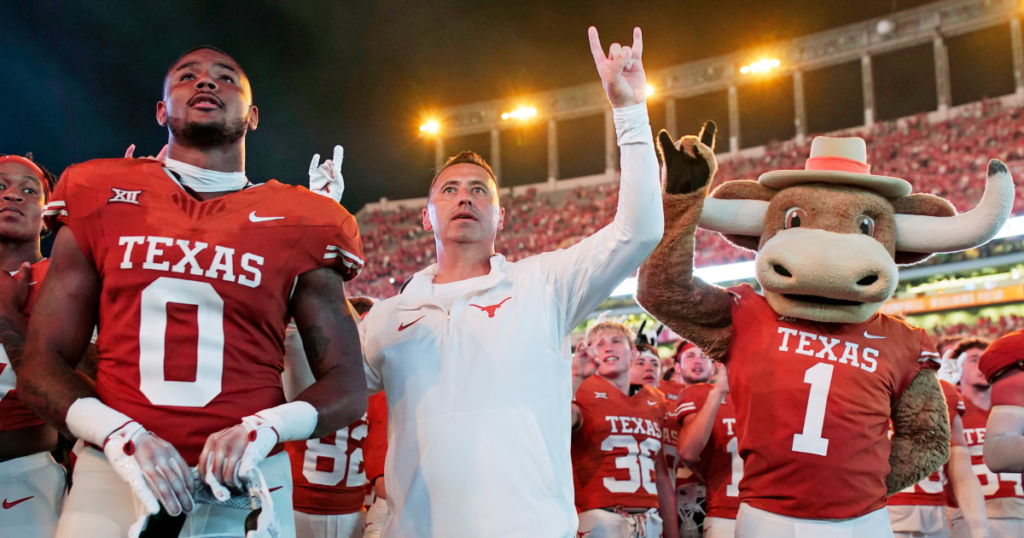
x,y
816,373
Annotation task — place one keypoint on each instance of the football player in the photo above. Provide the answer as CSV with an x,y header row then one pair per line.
x,y
708,446
623,488
1004,493
31,482
192,274
919,511
694,365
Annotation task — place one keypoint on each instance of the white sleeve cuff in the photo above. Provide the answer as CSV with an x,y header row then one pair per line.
x,y
93,421
293,421
632,124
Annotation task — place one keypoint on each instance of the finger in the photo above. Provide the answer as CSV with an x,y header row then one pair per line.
x,y
707,134
619,61
181,468
314,164
638,43
128,153
163,154
24,275
339,155
614,51
627,54
595,46
176,480
161,487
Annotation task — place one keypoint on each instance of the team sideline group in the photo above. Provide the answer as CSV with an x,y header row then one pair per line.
x,y
186,363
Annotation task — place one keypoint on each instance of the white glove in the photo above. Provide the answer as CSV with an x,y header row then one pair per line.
x,y
120,451
325,179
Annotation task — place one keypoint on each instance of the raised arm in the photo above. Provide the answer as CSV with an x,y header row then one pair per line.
x,y
920,442
585,275
667,287
696,431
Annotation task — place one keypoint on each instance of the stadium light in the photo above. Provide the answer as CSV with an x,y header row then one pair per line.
x,y
745,270
520,113
760,66
430,127
650,90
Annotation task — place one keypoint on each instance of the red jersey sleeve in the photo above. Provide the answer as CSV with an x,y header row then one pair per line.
x,y
334,241
691,401
1003,353
926,355
74,203
375,446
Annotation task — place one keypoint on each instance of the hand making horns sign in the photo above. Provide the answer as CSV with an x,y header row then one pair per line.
x,y
622,71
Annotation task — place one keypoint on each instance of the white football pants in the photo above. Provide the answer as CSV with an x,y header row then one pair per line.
x,y
914,521
754,523
719,527
101,504
329,526
997,528
604,524
32,488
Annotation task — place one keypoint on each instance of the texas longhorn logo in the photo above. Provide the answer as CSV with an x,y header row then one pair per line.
x,y
128,197
493,309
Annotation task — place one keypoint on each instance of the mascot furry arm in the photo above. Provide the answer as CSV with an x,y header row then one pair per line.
x,y
701,312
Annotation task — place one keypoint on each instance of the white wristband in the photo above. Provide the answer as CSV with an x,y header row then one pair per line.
x,y
293,421
93,421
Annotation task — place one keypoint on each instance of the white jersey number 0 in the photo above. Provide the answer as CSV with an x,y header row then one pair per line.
x,y
152,345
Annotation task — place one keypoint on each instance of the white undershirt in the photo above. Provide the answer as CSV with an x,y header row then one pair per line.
x,y
448,293
203,180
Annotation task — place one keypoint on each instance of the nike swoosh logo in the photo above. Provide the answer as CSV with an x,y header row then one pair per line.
x,y
17,502
866,335
254,218
405,326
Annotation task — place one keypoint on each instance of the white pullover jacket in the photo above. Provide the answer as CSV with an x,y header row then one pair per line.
x,y
479,413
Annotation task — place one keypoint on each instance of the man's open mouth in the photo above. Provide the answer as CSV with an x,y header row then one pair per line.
x,y
205,100
817,299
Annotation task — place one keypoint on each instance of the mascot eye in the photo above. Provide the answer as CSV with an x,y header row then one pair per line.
x,y
866,225
794,217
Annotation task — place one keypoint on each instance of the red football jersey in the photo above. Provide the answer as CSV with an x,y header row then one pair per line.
x,y
375,446
993,485
195,295
813,400
327,473
931,490
614,449
13,413
720,462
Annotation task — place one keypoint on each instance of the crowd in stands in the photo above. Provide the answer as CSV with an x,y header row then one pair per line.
x,y
984,328
947,159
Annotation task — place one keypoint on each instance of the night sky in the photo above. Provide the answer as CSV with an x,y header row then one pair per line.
x,y
79,80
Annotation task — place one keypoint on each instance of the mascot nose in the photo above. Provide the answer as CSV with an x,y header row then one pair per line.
x,y
868,280
781,270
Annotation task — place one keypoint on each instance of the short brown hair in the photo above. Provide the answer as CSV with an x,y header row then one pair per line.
x,y
971,343
465,157
947,340
615,327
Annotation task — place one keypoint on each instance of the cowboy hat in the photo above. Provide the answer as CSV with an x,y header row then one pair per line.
x,y
839,161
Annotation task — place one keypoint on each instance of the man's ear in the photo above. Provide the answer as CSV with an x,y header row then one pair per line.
x,y
254,117
161,113
501,218
426,220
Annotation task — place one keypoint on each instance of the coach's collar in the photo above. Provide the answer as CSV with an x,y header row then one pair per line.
x,y
420,289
